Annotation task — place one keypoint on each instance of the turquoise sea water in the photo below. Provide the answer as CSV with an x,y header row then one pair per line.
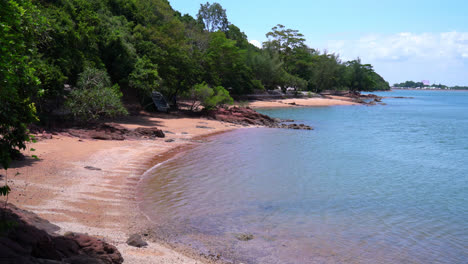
x,y
380,184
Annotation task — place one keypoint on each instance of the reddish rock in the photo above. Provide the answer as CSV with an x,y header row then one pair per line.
x,y
151,132
26,241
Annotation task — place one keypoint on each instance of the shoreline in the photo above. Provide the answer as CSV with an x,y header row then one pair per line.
x,y
104,202
333,100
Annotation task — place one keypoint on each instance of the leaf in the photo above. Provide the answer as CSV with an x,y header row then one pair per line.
x,y
4,190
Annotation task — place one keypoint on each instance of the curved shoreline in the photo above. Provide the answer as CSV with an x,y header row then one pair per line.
x,y
103,202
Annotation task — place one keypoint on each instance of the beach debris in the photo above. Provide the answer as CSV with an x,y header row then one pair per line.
x,y
135,240
244,237
169,140
92,168
184,133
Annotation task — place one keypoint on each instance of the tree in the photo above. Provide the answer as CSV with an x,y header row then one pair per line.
x,y
225,65
284,40
145,77
360,76
21,26
95,97
213,17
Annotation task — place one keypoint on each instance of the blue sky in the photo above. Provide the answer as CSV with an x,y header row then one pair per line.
x,y
403,40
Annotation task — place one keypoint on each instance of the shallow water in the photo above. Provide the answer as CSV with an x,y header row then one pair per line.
x,y
380,184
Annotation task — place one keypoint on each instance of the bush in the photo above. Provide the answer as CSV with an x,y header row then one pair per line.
x,y
94,97
209,97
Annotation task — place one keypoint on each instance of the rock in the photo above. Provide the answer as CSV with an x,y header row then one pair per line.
x,y
205,127
247,116
135,240
47,136
151,132
92,168
103,135
244,237
26,242
169,140
97,248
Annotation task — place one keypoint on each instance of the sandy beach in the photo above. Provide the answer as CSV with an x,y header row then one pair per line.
x,y
101,201
303,102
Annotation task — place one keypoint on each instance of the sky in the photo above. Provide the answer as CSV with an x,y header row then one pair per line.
x,y
403,39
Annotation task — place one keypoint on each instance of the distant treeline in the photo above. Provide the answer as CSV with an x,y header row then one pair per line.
x,y
412,84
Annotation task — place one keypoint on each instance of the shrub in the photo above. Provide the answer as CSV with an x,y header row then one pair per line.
x,y
209,97
94,97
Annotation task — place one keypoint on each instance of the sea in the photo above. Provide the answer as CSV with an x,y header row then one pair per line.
x,y
370,184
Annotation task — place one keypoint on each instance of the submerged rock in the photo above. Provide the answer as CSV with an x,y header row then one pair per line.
x,y
244,237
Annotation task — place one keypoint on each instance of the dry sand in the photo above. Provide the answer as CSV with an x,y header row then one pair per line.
x,y
303,102
102,202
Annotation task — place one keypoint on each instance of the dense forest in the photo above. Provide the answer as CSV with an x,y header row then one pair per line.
x,y
412,84
82,57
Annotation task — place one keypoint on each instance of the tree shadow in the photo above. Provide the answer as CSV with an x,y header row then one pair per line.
x,y
24,162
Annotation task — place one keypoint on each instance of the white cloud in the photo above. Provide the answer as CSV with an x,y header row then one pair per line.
x,y
256,43
406,55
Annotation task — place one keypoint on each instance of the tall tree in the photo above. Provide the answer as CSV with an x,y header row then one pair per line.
x,y
360,76
284,40
213,17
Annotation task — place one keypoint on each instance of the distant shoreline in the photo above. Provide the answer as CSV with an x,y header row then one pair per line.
x,y
416,89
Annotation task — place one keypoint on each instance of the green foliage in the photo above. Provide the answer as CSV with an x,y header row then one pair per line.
x,y
209,97
20,29
146,45
213,17
360,76
145,77
283,40
226,65
94,97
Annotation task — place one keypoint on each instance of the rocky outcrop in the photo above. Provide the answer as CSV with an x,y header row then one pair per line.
x,y
30,239
246,116
112,131
241,116
150,132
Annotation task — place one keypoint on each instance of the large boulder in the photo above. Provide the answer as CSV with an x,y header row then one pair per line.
x,y
30,239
